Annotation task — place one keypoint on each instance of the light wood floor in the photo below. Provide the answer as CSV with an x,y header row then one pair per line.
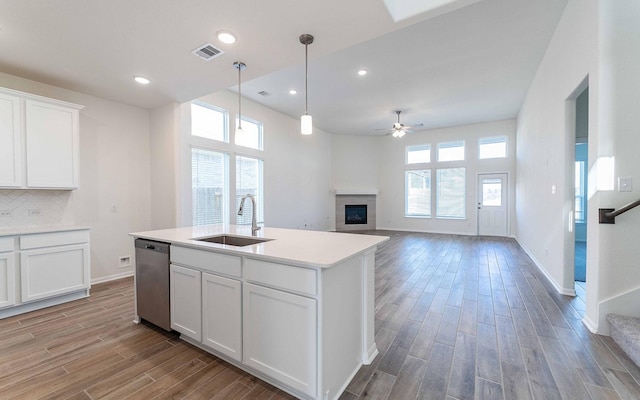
x,y
456,318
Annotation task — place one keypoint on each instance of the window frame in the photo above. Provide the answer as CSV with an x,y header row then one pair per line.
x,y
260,133
463,197
226,190
225,118
429,213
259,196
493,140
450,145
417,148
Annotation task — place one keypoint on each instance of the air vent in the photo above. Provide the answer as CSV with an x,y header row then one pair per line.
x,y
207,52
263,93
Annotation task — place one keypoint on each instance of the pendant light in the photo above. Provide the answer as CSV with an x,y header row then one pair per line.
x,y
306,125
240,66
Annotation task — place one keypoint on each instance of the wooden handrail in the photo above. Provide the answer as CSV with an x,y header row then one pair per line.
x,y
608,215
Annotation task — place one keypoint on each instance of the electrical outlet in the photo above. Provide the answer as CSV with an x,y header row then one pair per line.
x,y
114,209
33,212
6,213
125,261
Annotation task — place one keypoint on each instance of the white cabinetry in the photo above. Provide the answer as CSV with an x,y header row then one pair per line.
x,y
222,315
52,264
280,336
186,301
52,145
10,141
39,142
7,273
39,270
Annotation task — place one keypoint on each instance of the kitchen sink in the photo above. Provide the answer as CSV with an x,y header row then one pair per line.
x,y
238,241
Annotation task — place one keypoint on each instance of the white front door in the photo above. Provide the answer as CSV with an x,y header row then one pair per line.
x,y
492,205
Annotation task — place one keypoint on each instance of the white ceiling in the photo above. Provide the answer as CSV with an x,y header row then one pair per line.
x,y
468,65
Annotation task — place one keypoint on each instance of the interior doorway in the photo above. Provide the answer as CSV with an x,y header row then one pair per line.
x,y
581,163
493,208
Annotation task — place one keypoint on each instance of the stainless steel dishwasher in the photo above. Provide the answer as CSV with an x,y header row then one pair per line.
x,y
152,282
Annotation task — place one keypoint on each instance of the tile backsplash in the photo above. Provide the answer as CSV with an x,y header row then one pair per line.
x,y
19,208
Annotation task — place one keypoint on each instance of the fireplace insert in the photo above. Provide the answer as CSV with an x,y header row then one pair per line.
x,y
355,214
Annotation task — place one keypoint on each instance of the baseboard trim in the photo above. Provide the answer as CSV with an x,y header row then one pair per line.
x,y
109,278
563,291
593,328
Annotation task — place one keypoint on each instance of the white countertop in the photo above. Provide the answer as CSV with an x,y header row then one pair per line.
x,y
27,230
314,248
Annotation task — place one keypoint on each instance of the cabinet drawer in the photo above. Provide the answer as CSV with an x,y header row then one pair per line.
x,y
295,279
6,243
212,262
53,239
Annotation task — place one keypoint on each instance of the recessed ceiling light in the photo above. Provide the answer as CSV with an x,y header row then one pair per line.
x,y
141,80
293,91
362,72
226,37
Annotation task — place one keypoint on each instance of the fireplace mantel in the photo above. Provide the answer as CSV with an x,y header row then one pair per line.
x,y
356,192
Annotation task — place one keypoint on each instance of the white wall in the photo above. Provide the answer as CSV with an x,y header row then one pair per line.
x,y
114,171
164,165
618,255
297,168
597,39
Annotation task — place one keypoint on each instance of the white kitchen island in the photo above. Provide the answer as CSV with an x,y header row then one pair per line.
x,y
296,311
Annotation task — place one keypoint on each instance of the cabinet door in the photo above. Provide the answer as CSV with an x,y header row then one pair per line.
x,y
52,145
222,315
53,271
186,302
280,336
10,142
7,280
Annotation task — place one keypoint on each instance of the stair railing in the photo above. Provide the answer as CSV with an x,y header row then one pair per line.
x,y
608,215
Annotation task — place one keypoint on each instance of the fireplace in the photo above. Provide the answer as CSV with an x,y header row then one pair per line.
x,y
355,214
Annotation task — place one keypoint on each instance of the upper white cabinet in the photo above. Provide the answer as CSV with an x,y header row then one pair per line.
x,y
39,142
10,141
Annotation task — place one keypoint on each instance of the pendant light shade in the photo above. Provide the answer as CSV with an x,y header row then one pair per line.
x,y
306,123
240,66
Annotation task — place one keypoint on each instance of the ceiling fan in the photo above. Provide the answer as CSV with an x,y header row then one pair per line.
x,y
398,129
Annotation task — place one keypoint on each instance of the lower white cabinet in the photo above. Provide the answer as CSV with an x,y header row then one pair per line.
x,y
40,270
186,301
53,271
280,336
222,315
7,280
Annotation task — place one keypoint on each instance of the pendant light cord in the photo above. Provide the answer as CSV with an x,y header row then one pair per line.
x,y
240,66
306,79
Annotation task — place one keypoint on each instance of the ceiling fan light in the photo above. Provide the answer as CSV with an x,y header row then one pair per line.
x,y
306,125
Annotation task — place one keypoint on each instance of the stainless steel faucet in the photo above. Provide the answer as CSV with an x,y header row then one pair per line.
x,y
254,225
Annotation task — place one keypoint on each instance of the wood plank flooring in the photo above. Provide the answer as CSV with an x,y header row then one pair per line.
x,y
456,318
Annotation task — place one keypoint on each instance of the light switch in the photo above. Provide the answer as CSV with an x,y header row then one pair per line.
x,y
625,184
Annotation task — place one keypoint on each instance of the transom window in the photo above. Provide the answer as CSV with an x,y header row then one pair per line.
x,y
209,122
252,134
493,147
418,154
451,151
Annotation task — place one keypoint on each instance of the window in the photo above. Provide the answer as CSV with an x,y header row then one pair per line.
x,y
450,193
494,147
249,181
209,186
252,134
451,151
418,154
580,192
418,193
209,122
